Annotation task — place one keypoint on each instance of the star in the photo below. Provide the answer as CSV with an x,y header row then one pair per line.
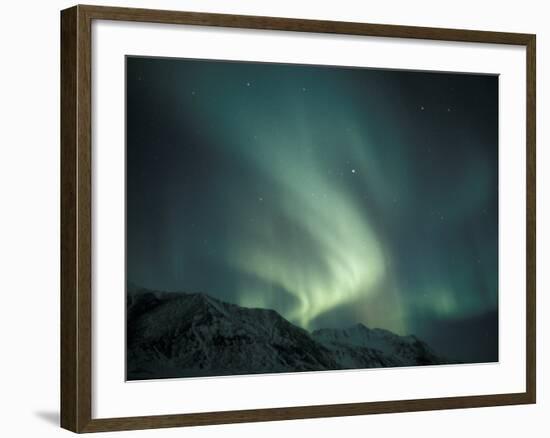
x,y
304,88
421,108
352,170
193,93
448,110
248,84
260,199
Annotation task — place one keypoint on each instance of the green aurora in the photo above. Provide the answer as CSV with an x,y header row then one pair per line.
x,y
332,195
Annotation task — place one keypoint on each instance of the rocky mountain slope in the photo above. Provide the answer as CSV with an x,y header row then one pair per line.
x,y
193,334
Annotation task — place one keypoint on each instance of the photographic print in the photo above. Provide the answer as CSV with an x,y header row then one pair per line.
x,y
286,218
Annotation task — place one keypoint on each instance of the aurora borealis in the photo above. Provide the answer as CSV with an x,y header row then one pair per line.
x,y
332,195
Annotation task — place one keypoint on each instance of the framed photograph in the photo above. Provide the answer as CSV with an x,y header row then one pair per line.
x,y
270,218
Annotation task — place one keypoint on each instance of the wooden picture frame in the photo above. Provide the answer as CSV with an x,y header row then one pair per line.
x,y
76,218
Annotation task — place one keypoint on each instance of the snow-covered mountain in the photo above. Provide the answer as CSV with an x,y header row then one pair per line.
x,y
361,347
193,334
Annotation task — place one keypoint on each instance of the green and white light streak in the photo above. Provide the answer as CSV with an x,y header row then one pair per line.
x,y
331,195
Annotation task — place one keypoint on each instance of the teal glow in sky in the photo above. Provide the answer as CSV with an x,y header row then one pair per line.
x,y
332,195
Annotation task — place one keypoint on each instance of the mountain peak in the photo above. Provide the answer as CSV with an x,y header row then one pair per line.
x,y
360,326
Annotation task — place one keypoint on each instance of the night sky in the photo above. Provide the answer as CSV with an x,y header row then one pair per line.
x,y
332,195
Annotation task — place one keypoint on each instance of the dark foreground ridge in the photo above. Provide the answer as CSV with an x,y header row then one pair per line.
x,y
192,334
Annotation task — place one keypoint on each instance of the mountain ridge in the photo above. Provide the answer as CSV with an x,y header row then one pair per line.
x,y
181,334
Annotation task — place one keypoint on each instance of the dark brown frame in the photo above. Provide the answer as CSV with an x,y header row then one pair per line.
x,y
76,236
